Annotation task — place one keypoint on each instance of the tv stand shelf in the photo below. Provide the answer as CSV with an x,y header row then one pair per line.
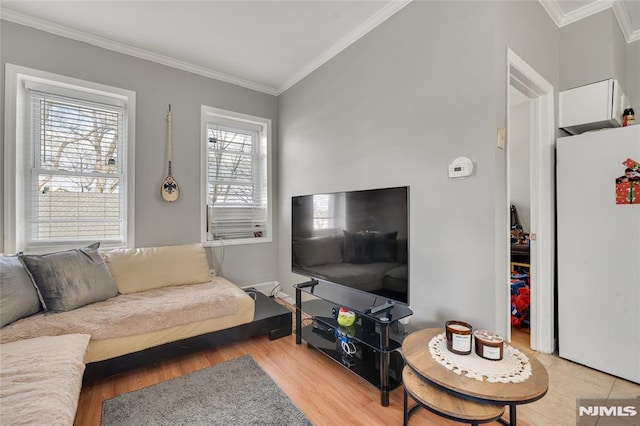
x,y
374,346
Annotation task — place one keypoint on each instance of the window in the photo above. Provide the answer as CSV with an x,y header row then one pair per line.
x,y
72,148
328,214
323,219
236,169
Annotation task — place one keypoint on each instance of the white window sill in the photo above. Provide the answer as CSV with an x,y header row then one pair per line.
x,y
236,242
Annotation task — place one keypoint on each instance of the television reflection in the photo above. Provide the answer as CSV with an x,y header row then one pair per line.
x,y
358,239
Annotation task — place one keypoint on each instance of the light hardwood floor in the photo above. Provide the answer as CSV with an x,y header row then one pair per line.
x,y
330,395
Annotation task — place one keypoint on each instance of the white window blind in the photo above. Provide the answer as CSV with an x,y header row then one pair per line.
x,y
328,214
323,212
237,186
76,171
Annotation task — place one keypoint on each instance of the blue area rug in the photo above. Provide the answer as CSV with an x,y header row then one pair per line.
x,y
235,392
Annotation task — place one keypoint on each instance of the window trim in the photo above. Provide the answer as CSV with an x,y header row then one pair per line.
x,y
208,113
16,155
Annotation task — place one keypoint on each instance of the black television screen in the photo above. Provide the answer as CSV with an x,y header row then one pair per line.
x,y
359,239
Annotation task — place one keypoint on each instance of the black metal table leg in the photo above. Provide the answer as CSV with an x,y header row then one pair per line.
x,y
512,417
406,406
298,316
384,366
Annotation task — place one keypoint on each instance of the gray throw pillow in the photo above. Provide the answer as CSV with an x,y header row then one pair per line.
x,y
402,247
69,279
383,246
18,296
357,247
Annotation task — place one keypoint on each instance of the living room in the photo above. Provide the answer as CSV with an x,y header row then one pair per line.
x,y
392,109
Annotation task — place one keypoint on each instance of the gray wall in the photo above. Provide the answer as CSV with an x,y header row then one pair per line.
x,y
395,108
156,86
633,76
592,49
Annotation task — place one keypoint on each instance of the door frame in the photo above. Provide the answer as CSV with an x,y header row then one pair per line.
x,y
542,250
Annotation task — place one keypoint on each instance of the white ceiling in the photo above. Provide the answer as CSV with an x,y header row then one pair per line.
x,y
264,45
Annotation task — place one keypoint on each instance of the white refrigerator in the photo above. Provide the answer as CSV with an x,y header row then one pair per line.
x,y
598,229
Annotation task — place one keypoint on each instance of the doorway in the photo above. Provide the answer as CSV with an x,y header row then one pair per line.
x,y
521,115
536,97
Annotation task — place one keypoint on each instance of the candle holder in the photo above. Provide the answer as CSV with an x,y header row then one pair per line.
x,y
458,337
488,345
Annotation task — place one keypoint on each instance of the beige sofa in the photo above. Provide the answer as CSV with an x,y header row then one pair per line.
x,y
41,379
162,295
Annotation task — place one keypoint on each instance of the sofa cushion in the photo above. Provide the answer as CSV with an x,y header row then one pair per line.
x,y
363,276
136,313
18,296
357,247
69,279
396,279
41,379
383,246
400,272
402,253
136,270
317,251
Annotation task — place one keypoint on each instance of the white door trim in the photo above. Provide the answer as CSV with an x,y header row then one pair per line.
x,y
542,251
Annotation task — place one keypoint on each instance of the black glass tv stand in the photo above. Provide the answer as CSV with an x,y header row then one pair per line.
x,y
368,348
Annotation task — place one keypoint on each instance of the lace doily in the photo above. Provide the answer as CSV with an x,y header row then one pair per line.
x,y
514,367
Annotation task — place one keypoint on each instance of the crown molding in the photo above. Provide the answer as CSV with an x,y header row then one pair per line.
x,y
619,9
561,19
586,11
382,15
552,8
104,43
622,15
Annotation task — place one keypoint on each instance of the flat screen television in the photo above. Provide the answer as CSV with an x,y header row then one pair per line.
x,y
358,239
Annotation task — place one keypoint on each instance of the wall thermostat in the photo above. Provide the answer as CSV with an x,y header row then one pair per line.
x,y
460,167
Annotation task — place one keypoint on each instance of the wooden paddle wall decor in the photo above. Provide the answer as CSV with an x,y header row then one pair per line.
x,y
169,190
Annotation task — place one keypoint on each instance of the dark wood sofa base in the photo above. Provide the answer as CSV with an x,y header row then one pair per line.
x,y
269,318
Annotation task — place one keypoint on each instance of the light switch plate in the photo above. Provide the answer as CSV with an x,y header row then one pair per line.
x,y
502,137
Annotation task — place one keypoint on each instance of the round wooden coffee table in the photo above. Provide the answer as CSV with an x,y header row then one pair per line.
x,y
416,353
